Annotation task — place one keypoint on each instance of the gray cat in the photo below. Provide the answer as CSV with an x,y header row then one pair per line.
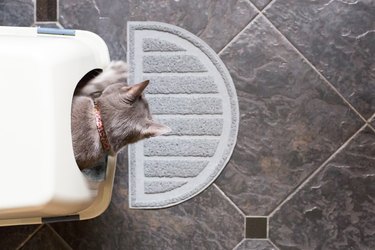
x,y
107,114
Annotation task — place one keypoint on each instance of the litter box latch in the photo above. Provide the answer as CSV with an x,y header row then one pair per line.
x,y
54,31
46,220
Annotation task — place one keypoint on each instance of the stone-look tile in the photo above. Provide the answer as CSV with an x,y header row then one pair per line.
x,y
46,239
260,4
338,37
216,22
207,221
12,237
16,12
290,120
336,208
255,245
46,10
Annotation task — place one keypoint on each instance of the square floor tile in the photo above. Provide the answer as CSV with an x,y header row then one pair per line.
x,y
338,37
291,121
335,208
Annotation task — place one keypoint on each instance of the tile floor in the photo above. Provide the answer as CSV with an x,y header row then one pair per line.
x,y
302,175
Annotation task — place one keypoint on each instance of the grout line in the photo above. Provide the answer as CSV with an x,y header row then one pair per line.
x,y
57,11
372,118
313,67
34,2
59,25
239,243
268,6
59,236
30,236
265,7
371,127
260,216
36,24
230,201
273,244
45,22
241,31
244,227
252,5
315,172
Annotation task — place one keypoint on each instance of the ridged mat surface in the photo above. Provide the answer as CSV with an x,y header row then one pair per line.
x,y
190,91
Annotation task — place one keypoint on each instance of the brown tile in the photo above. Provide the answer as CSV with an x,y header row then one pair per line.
x,y
256,227
46,10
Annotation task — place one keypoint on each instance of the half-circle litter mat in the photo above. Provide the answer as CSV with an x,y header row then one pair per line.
x,y
190,91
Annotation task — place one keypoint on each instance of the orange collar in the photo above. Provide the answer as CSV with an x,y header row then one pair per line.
x,y
99,125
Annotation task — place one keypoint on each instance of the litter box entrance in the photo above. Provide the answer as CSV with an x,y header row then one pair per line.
x,y
94,172
86,78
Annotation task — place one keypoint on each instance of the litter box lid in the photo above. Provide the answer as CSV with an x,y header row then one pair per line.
x,y
39,70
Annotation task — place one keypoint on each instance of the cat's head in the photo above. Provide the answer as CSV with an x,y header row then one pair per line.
x,y
126,114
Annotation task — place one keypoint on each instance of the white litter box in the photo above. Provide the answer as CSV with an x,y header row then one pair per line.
x,y
40,180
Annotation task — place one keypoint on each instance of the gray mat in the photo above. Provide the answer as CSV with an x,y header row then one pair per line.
x,y
192,92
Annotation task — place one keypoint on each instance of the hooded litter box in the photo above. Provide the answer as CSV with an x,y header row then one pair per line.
x,y
40,180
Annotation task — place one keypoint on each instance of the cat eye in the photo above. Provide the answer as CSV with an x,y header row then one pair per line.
x,y
127,99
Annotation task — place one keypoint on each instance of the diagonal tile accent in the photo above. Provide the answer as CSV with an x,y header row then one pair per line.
x,y
12,237
338,37
216,22
372,121
260,4
255,244
290,120
16,12
318,218
207,221
46,238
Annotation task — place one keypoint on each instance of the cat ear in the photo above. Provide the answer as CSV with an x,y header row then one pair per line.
x,y
155,129
136,90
